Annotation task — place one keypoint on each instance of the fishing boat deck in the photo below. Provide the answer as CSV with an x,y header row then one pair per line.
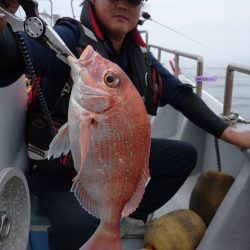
x,y
229,229
179,201
132,244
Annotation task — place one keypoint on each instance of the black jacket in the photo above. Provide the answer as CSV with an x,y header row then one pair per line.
x,y
55,73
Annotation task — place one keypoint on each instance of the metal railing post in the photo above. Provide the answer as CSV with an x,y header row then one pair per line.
x,y
179,54
199,72
159,55
228,92
231,68
177,65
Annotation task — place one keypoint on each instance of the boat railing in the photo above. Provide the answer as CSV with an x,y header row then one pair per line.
x,y
231,68
74,14
50,17
177,54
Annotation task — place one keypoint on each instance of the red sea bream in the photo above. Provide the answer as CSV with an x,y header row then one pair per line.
x,y
108,133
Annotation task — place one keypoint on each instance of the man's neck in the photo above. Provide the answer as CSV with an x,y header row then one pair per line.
x,y
117,42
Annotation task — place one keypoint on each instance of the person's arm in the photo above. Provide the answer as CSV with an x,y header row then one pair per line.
x,y
196,110
8,45
182,98
9,50
43,59
11,65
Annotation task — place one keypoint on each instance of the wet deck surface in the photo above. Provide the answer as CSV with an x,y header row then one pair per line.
x,y
132,244
179,201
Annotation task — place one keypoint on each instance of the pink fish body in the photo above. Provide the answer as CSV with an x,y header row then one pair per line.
x,y
108,133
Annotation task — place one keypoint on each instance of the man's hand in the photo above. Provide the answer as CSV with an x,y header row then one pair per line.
x,y
241,139
9,5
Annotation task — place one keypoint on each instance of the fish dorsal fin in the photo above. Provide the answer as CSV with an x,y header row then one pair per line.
x,y
60,144
80,193
134,201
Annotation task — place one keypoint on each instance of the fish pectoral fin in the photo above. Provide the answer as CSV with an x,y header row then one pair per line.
x,y
60,144
85,135
78,188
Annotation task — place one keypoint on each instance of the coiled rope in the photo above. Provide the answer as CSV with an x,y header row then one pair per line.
x,y
233,118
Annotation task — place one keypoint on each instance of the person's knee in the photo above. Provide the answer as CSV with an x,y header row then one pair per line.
x,y
71,234
71,226
83,224
192,153
191,156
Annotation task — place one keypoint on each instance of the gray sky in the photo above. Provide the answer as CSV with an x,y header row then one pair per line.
x,y
223,25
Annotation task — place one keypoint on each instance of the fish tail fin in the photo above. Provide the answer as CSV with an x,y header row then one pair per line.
x,y
104,238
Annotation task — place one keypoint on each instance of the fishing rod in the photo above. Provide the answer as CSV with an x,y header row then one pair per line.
x,y
147,16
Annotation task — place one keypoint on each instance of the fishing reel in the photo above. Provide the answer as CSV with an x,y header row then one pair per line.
x,y
14,210
146,17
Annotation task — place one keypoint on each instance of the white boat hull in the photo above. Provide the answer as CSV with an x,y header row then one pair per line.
x,y
229,229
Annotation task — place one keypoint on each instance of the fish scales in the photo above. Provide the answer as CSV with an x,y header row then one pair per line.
x,y
109,135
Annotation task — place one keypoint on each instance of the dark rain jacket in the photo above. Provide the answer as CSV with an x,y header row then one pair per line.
x,y
166,88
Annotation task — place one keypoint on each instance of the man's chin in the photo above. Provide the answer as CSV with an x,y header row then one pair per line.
x,y
119,32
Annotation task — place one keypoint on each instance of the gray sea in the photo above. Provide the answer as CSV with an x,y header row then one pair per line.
x,y
241,88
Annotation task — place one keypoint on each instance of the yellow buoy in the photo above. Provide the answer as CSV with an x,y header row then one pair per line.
x,y
208,193
178,230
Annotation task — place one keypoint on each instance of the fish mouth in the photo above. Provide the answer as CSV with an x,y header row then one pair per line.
x,y
85,59
87,53
95,102
93,95
87,91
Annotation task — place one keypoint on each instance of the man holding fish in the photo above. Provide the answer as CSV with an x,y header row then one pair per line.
x,y
104,131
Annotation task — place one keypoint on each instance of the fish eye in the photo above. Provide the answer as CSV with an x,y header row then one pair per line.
x,y
111,79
